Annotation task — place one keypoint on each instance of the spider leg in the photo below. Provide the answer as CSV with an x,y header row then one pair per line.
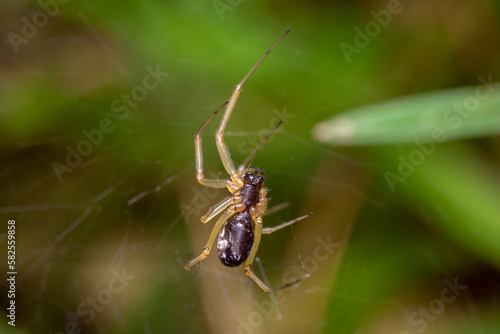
x,y
213,235
251,257
219,135
269,230
199,156
216,209
257,148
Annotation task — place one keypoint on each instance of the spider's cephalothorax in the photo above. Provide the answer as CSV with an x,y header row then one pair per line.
x,y
253,180
239,227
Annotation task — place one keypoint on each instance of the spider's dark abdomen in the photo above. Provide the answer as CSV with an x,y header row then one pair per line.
x,y
235,240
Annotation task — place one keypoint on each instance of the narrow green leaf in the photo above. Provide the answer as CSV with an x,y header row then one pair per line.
x,y
438,116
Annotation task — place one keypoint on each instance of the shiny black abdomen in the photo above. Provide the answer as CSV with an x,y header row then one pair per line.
x,y
235,240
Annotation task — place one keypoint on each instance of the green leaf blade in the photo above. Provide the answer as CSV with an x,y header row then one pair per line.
x,y
459,113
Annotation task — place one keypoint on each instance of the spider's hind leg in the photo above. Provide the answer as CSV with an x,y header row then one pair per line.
x,y
251,257
258,233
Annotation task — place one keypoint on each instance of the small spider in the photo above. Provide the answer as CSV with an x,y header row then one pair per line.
x,y
239,228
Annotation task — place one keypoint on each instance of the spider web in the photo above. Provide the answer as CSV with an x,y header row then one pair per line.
x,y
125,221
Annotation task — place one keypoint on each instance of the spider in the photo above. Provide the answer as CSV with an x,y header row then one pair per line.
x,y
239,228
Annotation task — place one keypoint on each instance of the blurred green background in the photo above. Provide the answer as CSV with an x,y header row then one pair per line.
x,y
99,105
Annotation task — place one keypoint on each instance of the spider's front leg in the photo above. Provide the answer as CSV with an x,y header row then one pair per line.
x,y
225,157
199,156
219,135
208,246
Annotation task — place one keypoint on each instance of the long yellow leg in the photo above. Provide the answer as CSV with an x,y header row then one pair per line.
x,y
269,230
219,135
251,257
199,156
216,209
208,246
257,148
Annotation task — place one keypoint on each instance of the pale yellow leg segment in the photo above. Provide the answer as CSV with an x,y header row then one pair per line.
x,y
216,209
257,148
269,230
219,135
213,235
199,156
251,257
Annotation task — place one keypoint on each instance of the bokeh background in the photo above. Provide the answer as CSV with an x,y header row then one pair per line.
x,y
97,167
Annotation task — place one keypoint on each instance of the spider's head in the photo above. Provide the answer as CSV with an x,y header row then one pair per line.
x,y
254,177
